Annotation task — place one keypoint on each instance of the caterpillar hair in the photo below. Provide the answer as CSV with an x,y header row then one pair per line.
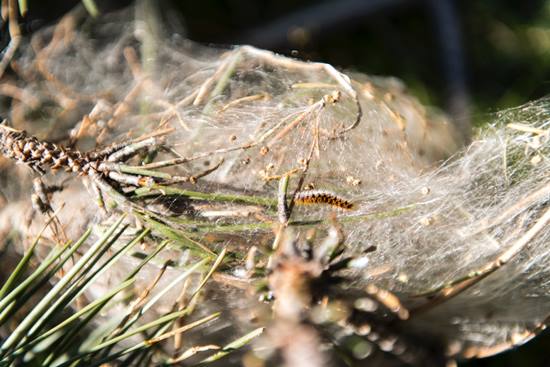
x,y
322,197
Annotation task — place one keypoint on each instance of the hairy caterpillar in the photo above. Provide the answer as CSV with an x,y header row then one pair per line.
x,y
322,197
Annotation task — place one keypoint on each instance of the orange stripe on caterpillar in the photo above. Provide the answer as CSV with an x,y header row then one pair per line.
x,y
322,197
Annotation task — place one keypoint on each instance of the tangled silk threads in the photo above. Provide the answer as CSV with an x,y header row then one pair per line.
x,y
433,221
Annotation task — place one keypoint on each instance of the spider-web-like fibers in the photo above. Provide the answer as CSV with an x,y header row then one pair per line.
x,y
435,212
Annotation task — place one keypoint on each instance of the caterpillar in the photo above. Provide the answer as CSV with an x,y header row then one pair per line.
x,y
322,197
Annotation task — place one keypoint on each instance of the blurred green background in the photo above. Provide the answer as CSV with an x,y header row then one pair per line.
x,y
470,58
494,54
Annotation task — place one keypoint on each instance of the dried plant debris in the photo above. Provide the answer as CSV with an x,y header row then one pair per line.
x,y
417,251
